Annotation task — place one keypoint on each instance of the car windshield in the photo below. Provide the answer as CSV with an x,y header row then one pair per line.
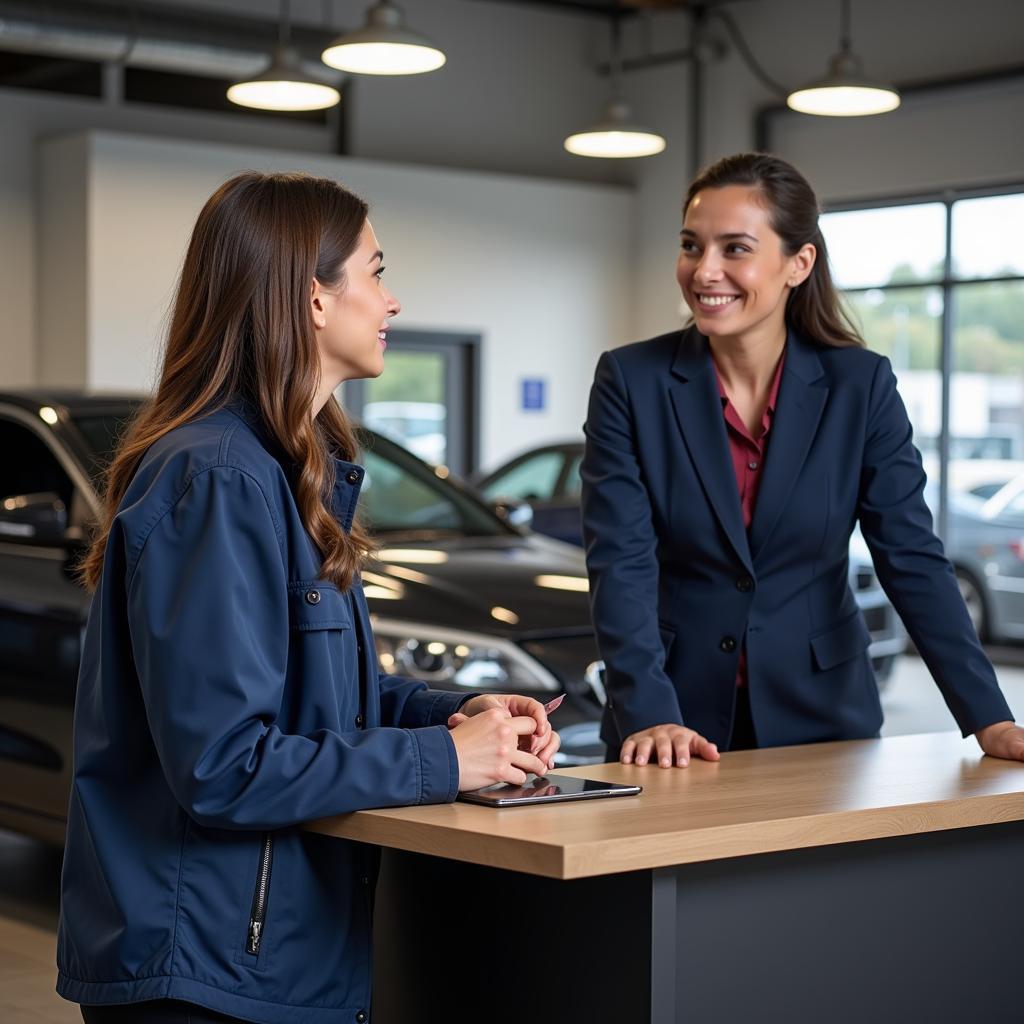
x,y
532,479
403,495
101,430
400,494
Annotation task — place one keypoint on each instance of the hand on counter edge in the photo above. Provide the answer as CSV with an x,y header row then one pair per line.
x,y
669,743
1002,739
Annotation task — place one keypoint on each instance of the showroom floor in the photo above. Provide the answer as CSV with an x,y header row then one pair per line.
x,y
29,872
28,920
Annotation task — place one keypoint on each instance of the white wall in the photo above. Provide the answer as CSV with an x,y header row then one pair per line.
x,y
540,269
27,118
518,79
62,298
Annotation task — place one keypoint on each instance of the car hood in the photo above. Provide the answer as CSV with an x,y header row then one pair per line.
x,y
511,586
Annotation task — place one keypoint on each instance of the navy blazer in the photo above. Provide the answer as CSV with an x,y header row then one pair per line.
x,y
678,585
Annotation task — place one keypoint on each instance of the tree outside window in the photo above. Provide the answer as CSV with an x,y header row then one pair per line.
x,y
938,287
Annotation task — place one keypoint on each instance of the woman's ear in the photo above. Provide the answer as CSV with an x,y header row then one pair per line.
x,y
317,305
801,265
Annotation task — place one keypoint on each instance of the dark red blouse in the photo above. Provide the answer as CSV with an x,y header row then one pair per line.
x,y
748,455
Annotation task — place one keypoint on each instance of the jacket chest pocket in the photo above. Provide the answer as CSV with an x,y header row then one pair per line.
x,y
317,605
327,648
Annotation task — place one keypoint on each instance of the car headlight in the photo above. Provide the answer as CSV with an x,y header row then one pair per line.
x,y
473,661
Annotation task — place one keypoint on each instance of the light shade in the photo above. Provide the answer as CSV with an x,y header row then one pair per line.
x,y
615,136
284,86
844,92
383,46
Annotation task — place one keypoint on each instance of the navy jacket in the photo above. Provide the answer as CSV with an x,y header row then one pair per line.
x,y
678,585
226,695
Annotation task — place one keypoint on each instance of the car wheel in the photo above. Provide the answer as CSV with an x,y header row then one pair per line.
x,y
973,597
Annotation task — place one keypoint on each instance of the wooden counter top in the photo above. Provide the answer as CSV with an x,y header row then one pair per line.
x,y
750,802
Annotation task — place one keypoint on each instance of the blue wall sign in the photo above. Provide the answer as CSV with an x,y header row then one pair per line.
x,y
533,393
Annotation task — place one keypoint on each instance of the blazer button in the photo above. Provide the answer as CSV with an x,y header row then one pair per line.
x,y
312,597
361,1017
352,476
359,721
745,584
727,644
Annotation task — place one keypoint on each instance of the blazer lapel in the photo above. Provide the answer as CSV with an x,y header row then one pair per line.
x,y
698,409
798,411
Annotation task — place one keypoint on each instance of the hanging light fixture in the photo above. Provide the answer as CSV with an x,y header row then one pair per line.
x,y
844,91
284,85
615,136
385,45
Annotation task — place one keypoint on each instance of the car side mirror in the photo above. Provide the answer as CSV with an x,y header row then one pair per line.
x,y
515,513
40,518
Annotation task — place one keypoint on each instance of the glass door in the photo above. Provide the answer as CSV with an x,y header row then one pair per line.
x,y
426,399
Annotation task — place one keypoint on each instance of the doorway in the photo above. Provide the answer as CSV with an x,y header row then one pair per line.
x,y
427,399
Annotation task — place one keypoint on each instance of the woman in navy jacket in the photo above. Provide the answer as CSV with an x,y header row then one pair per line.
x,y
725,468
229,688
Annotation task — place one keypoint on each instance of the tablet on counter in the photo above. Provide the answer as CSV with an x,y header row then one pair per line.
x,y
545,789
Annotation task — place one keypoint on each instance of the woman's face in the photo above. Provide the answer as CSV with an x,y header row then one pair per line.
x,y
732,270
351,321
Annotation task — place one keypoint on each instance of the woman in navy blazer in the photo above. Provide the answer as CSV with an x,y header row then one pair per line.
x,y
229,688
726,466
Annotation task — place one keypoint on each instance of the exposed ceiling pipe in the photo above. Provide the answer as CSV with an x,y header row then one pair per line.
x,y
161,36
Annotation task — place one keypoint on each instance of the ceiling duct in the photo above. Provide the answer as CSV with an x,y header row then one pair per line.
x,y
159,36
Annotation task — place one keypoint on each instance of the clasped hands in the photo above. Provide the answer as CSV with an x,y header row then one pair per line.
x,y
500,738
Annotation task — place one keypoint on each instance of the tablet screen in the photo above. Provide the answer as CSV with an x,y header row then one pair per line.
x,y
541,789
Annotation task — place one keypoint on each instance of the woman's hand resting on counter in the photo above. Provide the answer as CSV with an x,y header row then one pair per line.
x,y
500,738
670,744
1002,739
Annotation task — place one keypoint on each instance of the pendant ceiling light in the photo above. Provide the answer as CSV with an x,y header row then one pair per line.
x,y
615,136
284,85
383,46
844,91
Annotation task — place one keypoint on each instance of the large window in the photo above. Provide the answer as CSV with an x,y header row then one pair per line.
x,y
937,285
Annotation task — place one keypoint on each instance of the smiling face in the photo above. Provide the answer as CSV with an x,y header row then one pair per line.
x,y
732,269
351,320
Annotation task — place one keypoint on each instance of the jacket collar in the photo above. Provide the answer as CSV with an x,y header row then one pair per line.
x,y
250,415
348,476
693,356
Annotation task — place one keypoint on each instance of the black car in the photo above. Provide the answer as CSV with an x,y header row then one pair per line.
x,y
459,598
541,487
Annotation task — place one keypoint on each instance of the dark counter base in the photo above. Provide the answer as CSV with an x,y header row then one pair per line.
x,y
918,928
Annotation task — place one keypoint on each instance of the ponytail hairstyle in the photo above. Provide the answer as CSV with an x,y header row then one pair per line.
x,y
814,308
242,328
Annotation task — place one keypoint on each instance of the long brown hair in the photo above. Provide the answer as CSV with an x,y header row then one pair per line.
x,y
242,328
814,308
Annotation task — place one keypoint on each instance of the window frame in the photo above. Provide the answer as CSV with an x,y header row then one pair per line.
x,y
947,284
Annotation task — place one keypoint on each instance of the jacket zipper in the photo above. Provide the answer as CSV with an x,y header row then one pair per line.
x,y
259,897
